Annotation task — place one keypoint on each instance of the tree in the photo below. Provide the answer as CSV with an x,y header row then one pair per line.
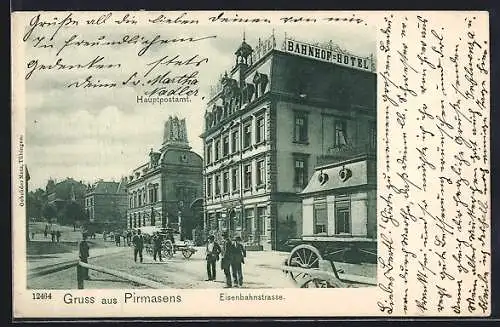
x,y
49,211
72,213
34,206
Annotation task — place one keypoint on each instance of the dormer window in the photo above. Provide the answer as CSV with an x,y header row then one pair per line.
x,y
260,81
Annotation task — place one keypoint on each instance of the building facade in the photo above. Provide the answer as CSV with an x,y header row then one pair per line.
x,y
269,121
339,206
162,190
60,193
106,203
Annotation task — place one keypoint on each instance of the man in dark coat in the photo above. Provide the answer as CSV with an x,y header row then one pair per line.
x,y
157,240
213,251
238,258
84,254
227,250
138,241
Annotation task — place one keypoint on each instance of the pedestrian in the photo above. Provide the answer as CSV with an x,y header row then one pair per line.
x,y
238,258
157,241
58,235
117,239
32,235
129,237
138,241
84,255
46,231
213,252
53,235
226,258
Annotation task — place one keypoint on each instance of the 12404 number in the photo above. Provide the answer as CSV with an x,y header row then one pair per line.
x,y
42,296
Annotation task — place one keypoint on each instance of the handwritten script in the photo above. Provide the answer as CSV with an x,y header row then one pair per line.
x,y
434,203
96,48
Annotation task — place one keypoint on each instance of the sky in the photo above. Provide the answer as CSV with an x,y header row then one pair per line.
x,y
91,134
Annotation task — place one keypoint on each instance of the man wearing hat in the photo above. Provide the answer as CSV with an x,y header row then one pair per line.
x,y
83,253
227,250
238,258
213,251
138,241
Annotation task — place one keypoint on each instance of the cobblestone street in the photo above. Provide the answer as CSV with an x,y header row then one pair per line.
x,y
261,270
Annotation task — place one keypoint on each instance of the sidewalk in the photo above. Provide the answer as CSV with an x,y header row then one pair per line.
x,y
41,261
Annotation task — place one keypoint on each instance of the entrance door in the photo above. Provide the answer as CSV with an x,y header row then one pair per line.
x,y
232,221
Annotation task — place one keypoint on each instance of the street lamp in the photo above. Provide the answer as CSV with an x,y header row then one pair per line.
x,y
181,206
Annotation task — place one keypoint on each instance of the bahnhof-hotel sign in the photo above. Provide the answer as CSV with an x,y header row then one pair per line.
x,y
311,51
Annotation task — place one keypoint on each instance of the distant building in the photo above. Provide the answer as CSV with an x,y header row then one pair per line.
x,y
161,191
280,110
106,204
339,205
61,193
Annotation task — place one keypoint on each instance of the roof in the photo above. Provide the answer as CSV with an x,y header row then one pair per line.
x,y
338,176
122,186
102,187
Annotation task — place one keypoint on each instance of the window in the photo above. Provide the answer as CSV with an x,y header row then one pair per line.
x,y
300,133
155,193
340,136
225,146
249,220
140,198
261,220
342,217
139,219
209,153
217,150
212,221
209,186
261,173
260,130
225,182
235,140
320,218
235,179
247,135
300,172
131,201
373,136
248,176
217,184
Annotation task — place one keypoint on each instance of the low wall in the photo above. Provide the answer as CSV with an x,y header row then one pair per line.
x,y
36,248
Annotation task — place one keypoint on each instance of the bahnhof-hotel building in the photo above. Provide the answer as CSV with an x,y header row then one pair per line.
x,y
282,110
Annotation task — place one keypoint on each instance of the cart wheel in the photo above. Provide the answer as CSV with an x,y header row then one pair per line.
x,y
303,256
316,283
168,249
187,253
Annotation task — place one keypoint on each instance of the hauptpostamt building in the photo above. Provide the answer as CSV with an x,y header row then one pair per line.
x,y
161,191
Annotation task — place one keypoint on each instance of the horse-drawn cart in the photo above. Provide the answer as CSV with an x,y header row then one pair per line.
x,y
311,262
171,244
